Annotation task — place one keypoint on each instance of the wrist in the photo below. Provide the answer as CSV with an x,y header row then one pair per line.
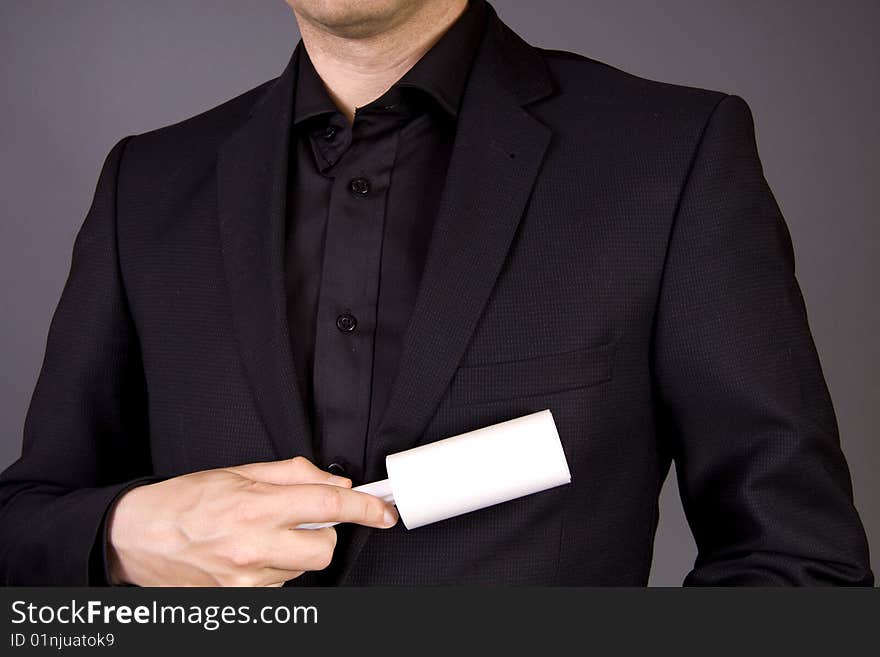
x,y
120,530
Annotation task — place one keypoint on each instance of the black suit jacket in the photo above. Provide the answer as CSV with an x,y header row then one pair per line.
x,y
606,247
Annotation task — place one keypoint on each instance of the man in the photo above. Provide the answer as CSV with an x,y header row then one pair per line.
x,y
425,226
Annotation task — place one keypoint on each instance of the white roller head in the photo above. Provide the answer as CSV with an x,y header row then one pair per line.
x,y
477,469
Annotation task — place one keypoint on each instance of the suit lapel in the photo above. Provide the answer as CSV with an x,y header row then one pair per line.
x,y
251,196
496,157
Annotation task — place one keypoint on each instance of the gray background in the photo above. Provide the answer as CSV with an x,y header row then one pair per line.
x,y
78,75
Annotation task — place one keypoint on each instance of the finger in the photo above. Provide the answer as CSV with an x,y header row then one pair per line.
x,y
274,578
269,556
291,550
282,554
261,577
321,503
298,470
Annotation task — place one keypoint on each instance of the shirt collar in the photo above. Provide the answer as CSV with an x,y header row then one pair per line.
x,y
441,72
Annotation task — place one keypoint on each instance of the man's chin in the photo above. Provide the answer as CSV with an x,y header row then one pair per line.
x,y
354,19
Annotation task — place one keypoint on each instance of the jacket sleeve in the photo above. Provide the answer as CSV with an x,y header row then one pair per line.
x,y
744,409
86,431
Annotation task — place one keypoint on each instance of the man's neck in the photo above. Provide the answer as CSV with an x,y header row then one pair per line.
x,y
357,70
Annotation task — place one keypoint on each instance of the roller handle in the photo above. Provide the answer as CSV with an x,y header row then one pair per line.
x,y
380,489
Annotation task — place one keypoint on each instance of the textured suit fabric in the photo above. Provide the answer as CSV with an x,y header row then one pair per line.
x,y
606,247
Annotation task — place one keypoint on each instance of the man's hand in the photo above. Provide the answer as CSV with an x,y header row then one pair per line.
x,y
234,526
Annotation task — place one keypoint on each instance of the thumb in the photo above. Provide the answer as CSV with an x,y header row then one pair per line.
x,y
298,470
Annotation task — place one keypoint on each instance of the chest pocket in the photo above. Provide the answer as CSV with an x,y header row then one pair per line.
x,y
540,375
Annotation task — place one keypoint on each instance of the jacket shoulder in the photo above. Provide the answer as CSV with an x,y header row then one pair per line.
x,y
196,136
582,77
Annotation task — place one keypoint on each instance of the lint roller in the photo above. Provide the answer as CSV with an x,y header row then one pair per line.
x,y
471,471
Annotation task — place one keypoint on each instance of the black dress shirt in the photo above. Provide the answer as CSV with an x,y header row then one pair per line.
x,y
362,198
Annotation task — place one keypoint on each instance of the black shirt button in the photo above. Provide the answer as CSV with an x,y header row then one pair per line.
x,y
346,323
329,132
337,468
359,186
